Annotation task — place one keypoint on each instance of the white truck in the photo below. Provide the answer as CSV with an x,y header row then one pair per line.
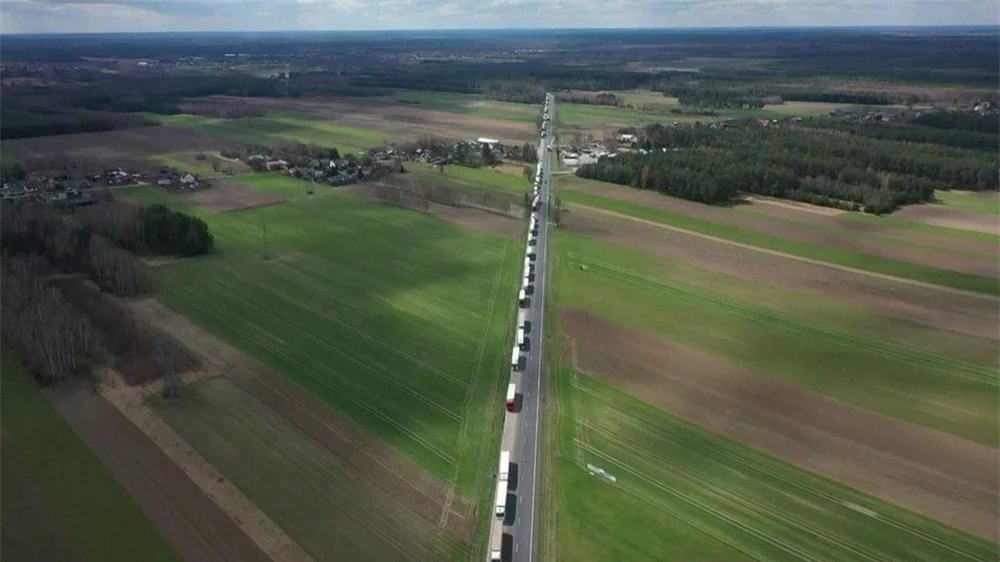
x,y
522,299
496,542
522,319
504,465
501,503
521,340
515,358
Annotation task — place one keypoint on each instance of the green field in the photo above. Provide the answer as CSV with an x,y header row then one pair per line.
x,y
317,497
475,178
58,501
988,203
279,128
590,116
397,319
685,494
808,250
931,377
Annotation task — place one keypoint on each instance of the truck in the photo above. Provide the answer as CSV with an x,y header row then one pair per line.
x,y
511,397
521,340
515,358
501,503
496,542
522,299
504,464
522,319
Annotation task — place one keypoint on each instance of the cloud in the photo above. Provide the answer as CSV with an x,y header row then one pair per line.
x,y
30,16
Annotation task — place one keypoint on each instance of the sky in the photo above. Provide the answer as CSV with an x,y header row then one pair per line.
x,y
90,16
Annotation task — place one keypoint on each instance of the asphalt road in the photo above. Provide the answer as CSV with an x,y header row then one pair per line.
x,y
524,524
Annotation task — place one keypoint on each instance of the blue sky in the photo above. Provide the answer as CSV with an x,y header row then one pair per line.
x,y
57,16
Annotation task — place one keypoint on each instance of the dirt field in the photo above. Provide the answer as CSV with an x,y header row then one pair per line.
x,y
473,218
397,120
924,248
374,460
190,521
941,476
974,315
939,215
110,146
224,197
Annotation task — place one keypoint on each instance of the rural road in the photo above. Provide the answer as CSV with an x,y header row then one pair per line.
x,y
524,524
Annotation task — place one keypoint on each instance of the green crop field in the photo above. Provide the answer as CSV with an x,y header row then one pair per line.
x,y
919,374
317,497
398,319
988,203
477,178
808,250
58,501
682,493
280,128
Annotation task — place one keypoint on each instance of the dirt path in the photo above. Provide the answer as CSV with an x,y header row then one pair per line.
x,y
953,309
265,533
787,221
939,475
374,460
188,519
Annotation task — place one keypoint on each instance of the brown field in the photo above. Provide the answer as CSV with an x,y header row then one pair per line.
x,y
941,476
401,121
925,248
944,308
109,146
478,219
374,461
194,525
949,217
224,197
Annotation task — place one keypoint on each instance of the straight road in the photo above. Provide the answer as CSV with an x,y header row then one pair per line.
x,y
524,524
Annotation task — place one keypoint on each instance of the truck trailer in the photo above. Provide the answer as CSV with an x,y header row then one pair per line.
x,y
515,358
522,319
496,542
522,341
522,299
501,503
511,397
504,465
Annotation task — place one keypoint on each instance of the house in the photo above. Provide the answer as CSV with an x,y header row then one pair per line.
x,y
626,137
256,158
164,182
277,165
189,180
764,122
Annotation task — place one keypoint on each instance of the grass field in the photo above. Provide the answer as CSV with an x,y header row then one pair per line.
x,y
926,376
685,494
829,254
314,495
471,177
988,203
278,127
58,501
397,319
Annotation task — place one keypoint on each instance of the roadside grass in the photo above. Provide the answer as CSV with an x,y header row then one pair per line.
x,y
89,512
929,377
684,493
473,177
398,319
808,250
322,501
988,202
278,127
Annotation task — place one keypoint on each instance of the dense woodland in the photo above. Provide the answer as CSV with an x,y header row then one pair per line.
x,y
52,321
795,162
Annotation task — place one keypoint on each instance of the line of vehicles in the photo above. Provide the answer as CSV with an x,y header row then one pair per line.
x,y
521,340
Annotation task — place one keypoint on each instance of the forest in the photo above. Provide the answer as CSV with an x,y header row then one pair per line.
x,y
59,325
853,172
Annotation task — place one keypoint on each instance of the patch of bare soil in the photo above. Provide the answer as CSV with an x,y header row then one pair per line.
x,y
478,219
194,525
110,146
795,205
940,307
224,197
819,230
949,217
374,460
939,475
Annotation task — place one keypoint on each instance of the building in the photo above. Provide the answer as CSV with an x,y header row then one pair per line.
x,y
492,143
187,180
627,138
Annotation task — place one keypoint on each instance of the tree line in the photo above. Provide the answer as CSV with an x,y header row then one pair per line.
x,y
153,229
914,133
855,173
